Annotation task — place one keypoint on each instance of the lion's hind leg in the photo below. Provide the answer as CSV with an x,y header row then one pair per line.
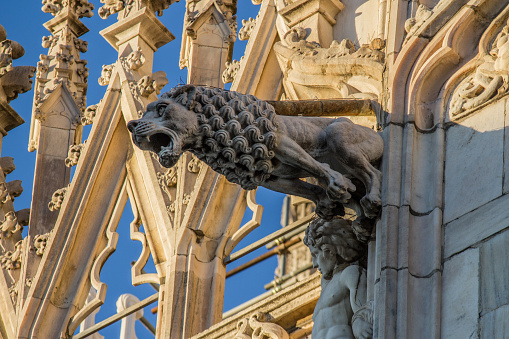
x,y
354,147
338,186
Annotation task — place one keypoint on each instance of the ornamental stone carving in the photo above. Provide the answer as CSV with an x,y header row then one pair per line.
x,y
104,80
14,188
412,24
247,28
9,226
340,258
110,7
89,115
13,292
4,193
134,60
341,70
7,165
258,326
231,70
57,199
74,154
82,8
241,137
13,80
194,165
489,79
40,242
152,83
11,260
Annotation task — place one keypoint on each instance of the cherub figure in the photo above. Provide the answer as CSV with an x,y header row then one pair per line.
x,y
341,311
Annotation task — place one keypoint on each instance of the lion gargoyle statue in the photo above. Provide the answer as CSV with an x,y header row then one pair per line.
x,y
242,138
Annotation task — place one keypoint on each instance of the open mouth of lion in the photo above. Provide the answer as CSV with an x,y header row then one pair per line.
x,y
159,142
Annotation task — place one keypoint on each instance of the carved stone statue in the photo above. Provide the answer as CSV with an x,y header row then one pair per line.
x,y
242,138
341,311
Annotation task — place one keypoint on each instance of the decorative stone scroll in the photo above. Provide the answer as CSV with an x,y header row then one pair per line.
x,y
258,326
134,60
11,260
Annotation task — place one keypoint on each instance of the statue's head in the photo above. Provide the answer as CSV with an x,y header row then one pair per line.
x,y
332,243
167,125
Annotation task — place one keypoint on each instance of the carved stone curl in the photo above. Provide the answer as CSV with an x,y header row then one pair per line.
x,y
11,260
241,137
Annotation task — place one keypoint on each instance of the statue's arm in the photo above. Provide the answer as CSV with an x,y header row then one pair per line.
x,y
362,320
354,278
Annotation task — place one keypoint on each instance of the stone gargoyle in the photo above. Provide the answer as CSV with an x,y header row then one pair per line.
x,y
242,138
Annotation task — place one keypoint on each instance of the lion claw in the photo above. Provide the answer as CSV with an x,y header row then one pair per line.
x,y
339,190
371,206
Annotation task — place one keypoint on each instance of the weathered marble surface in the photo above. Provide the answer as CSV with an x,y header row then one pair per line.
x,y
474,161
460,295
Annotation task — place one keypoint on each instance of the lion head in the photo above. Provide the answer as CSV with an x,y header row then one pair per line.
x,y
233,133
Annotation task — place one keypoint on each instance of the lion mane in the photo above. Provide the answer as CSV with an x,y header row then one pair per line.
x,y
238,130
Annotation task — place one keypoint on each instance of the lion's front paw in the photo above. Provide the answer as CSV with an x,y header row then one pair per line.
x,y
371,205
327,209
339,189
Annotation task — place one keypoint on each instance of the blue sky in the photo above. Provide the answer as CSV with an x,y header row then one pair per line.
x,y
23,22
